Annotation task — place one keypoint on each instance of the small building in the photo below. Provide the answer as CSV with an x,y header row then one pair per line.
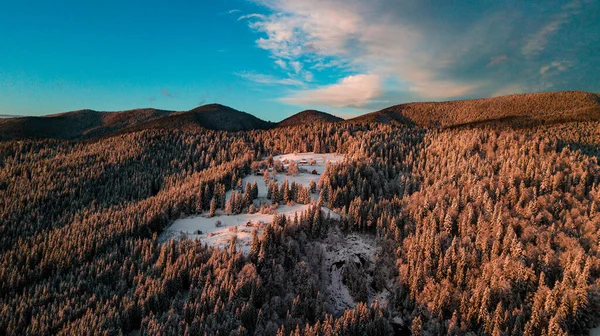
x,y
314,172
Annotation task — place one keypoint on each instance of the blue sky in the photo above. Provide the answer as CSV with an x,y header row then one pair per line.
x,y
273,58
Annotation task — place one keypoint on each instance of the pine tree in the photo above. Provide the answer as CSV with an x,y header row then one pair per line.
x,y
417,326
254,246
312,186
254,190
213,207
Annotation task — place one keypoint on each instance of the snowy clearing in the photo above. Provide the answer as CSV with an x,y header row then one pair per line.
x,y
303,160
203,227
304,178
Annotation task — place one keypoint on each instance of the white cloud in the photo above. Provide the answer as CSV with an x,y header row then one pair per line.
x,y
352,35
282,64
269,80
297,66
555,67
427,52
308,76
252,16
351,91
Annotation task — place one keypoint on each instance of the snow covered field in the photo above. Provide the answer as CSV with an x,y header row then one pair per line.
x,y
303,158
303,178
203,227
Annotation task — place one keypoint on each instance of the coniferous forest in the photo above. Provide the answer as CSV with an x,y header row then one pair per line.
x,y
486,229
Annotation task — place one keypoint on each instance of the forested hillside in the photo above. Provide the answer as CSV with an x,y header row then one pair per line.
x,y
489,230
520,110
308,117
89,124
83,124
516,111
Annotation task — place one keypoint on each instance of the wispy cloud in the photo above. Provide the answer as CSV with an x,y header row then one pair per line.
x,y
430,52
282,64
269,80
496,60
203,99
252,16
538,41
166,93
555,67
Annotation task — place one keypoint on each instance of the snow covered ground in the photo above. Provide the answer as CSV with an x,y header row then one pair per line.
x,y
303,178
320,158
203,227
338,250
595,332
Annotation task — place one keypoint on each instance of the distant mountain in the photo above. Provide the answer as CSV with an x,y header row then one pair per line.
x,y
212,116
88,124
82,124
8,116
308,117
523,110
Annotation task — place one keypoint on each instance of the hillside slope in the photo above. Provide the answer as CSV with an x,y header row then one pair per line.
x,y
525,110
90,124
211,116
308,117
82,124
515,110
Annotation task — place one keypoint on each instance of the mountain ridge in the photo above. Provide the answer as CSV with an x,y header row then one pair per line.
x,y
211,116
79,124
522,110
308,117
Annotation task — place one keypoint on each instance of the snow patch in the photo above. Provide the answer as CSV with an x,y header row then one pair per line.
x,y
204,227
339,250
303,159
304,178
